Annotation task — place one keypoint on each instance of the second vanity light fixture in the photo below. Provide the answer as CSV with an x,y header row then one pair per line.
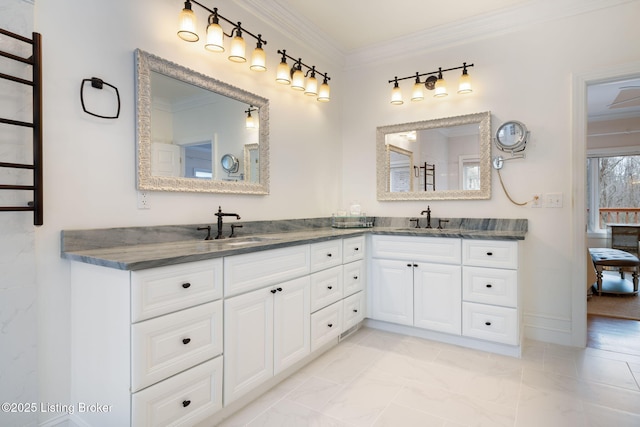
x,y
250,123
303,81
187,31
435,81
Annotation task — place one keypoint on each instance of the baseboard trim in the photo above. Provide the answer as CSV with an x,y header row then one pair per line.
x,y
551,329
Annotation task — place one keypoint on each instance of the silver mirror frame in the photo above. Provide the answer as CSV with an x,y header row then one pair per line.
x,y
145,64
482,119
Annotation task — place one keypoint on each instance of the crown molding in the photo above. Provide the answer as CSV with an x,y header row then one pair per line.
x,y
295,27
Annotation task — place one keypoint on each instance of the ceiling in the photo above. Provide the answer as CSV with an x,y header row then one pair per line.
x,y
357,24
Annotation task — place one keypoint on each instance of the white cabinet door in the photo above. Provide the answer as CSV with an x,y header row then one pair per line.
x,y
392,291
292,317
438,294
248,342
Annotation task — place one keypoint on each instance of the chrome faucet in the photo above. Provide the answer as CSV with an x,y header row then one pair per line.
x,y
428,212
220,214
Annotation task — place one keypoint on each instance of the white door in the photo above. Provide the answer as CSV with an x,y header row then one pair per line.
x,y
438,296
165,159
392,291
292,316
248,342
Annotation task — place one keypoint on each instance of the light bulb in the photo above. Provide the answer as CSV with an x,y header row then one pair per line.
x,y
324,92
187,24
258,59
237,52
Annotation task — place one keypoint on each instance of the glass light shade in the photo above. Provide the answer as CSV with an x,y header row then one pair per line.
x,y
324,92
237,52
297,81
311,88
187,26
258,60
396,96
250,123
283,75
215,38
464,85
417,94
441,88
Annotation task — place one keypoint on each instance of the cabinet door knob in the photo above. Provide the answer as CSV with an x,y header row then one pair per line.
x,y
489,253
355,310
415,265
186,403
330,325
186,285
329,287
329,254
408,265
489,285
356,248
487,323
186,341
279,289
273,291
355,277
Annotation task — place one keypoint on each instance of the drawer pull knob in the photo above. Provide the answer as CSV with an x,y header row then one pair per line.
x,y
356,249
355,310
330,325
489,253
273,291
186,341
408,265
329,287
415,265
355,277
329,254
186,285
279,289
186,403
487,323
489,285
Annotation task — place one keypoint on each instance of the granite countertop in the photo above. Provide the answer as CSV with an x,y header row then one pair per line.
x,y
138,256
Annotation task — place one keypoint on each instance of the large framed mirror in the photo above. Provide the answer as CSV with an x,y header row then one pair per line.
x,y
446,159
188,127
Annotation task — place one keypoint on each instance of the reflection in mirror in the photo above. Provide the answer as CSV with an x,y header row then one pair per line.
x,y
251,163
189,122
448,159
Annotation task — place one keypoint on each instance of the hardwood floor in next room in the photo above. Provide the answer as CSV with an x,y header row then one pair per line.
x,y
612,334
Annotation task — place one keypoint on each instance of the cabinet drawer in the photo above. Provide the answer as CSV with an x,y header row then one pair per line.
x,y
352,249
326,287
326,254
162,290
353,310
166,345
184,399
410,248
490,286
490,253
491,323
326,325
247,272
353,278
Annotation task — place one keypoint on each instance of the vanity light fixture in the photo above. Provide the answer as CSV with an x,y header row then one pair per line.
x,y
215,36
296,77
250,123
431,83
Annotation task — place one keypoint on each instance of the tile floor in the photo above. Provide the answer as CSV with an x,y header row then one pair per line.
x,y
376,378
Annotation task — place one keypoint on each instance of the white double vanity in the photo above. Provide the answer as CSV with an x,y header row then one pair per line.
x,y
175,338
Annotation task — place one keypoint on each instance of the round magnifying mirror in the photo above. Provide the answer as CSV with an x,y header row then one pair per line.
x,y
512,136
230,163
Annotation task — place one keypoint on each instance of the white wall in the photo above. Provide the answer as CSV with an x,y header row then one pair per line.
x,y
18,292
524,75
90,162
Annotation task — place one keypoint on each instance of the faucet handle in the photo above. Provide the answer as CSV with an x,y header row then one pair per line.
x,y
208,228
440,221
417,220
233,229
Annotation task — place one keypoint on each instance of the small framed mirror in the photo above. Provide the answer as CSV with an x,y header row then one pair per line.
x,y
440,159
230,163
512,136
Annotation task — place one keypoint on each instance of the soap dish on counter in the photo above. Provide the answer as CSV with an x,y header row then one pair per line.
x,y
352,221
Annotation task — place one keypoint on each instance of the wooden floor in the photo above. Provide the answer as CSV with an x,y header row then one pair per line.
x,y
611,334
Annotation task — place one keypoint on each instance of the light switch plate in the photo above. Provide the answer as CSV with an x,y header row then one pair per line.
x,y
553,200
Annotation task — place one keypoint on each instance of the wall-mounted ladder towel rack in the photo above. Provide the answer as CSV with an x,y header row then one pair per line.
x,y
35,61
